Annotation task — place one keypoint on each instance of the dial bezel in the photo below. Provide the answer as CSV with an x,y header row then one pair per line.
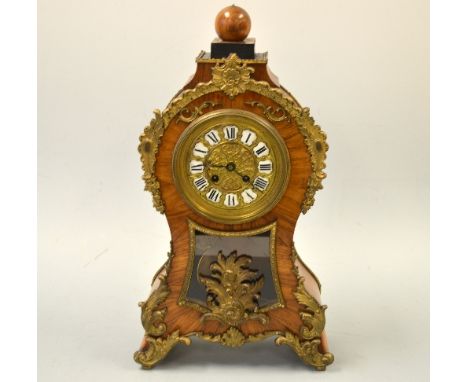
x,y
247,120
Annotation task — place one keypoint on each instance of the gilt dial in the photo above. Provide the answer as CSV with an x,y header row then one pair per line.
x,y
231,166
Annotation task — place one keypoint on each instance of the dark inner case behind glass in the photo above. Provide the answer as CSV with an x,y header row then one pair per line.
x,y
207,248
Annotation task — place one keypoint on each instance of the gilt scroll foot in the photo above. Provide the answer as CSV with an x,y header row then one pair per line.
x,y
156,349
307,350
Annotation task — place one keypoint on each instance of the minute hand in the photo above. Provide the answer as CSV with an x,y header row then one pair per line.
x,y
216,165
245,178
238,173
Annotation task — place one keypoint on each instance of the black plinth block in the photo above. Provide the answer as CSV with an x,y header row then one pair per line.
x,y
244,49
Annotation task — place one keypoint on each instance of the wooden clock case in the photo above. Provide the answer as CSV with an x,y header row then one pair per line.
x,y
246,84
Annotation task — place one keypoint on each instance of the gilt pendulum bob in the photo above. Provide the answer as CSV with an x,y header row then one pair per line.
x,y
232,162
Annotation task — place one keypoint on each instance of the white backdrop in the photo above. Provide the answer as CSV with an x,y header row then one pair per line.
x,y
361,66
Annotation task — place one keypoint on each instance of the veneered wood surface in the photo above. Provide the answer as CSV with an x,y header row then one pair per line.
x,y
285,214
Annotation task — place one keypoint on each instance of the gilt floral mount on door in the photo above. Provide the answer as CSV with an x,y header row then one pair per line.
x,y
233,290
232,162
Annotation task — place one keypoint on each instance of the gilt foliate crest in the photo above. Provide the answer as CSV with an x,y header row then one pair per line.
x,y
233,76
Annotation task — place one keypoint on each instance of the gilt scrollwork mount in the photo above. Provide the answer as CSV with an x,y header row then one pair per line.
x,y
232,76
158,343
188,115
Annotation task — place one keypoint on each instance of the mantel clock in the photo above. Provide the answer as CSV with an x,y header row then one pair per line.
x,y
232,162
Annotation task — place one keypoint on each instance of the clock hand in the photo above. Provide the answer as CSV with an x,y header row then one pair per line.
x,y
231,167
245,178
215,165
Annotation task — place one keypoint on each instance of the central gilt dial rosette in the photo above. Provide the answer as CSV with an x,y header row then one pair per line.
x,y
231,166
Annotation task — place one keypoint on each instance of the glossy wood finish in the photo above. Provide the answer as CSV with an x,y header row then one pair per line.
x,y
285,213
232,23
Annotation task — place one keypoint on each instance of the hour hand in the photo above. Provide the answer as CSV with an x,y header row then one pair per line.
x,y
215,165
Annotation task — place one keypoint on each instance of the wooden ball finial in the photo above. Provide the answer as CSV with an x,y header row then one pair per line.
x,y
232,23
